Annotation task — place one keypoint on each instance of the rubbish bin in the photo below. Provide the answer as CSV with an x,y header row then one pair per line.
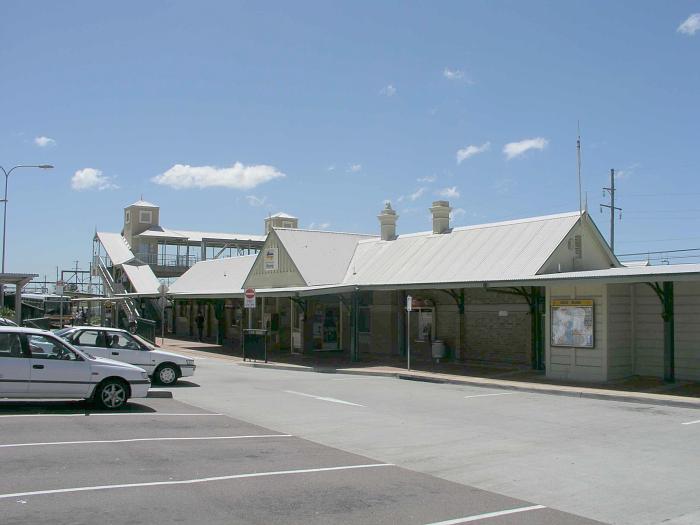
x,y
438,349
255,344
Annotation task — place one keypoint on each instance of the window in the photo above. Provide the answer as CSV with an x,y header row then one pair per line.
x,y
145,216
121,341
10,345
364,324
287,224
127,217
43,347
88,338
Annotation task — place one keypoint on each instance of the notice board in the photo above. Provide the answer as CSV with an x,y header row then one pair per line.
x,y
572,323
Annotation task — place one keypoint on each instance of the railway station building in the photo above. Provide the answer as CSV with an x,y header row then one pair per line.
x,y
542,292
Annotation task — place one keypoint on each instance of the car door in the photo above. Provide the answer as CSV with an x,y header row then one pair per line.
x,y
14,366
56,370
90,341
123,347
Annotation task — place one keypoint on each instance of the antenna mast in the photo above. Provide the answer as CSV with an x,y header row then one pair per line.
x,y
578,162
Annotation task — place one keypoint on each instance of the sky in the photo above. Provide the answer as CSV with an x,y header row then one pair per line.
x,y
224,112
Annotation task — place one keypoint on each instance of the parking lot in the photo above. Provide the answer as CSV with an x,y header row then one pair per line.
x,y
166,461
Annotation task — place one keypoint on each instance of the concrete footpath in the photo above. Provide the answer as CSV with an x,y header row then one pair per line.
x,y
634,390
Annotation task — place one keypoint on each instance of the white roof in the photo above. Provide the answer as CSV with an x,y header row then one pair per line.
x,y
636,273
142,278
321,257
634,264
214,276
144,204
283,215
116,247
194,236
486,252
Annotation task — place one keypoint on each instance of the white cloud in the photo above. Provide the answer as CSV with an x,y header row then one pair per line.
x,y
452,193
457,212
471,150
255,201
43,142
453,74
238,176
417,194
321,226
515,149
627,172
355,168
504,186
388,91
691,25
91,179
331,167
429,179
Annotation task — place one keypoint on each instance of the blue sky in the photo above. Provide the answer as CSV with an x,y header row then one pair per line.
x,y
326,109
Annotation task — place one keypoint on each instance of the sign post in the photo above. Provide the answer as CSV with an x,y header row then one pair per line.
x,y
162,290
249,303
409,307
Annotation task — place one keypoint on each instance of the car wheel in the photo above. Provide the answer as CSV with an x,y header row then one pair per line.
x,y
166,374
112,394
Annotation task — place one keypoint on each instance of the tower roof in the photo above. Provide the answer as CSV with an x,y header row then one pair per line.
x,y
143,204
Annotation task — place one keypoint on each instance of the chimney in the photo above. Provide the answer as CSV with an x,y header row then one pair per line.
x,y
387,220
441,216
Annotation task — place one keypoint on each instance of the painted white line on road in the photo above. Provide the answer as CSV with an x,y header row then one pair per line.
x,y
190,481
320,398
487,395
691,422
103,414
134,440
478,517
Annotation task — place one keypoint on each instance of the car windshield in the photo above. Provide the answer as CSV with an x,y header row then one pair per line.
x,y
143,342
63,332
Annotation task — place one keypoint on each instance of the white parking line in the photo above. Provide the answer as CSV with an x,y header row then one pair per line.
x,y
134,440
487,395
331,399
478,517
105,414
691,422
190,481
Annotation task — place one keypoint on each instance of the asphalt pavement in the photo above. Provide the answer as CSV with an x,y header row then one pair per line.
x,y
162,460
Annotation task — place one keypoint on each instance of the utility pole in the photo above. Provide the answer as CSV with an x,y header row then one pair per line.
x,y
612,208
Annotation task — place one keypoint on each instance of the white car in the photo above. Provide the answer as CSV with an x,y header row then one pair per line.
x,y
120,345
37,364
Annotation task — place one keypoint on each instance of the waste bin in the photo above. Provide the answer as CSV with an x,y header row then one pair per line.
x,y
438,349
255,344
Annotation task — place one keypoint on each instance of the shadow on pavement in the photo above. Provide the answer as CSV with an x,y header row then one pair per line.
x,y
19,407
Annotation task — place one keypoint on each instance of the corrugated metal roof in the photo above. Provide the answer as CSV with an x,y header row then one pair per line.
x,y
116,247
485,252
144,204
321,257
215,276
194,236
142,278
283,215
644,272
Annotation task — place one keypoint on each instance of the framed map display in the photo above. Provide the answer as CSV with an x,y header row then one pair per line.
x,y
572,323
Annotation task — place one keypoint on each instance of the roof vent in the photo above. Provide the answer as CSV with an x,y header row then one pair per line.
x,y
441,216
387,221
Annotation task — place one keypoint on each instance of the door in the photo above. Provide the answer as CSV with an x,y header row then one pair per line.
x,y
14,366
122,347
56,370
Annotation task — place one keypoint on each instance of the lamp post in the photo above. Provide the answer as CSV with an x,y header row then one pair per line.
x,y
4,217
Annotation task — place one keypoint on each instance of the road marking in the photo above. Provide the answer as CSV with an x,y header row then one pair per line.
x,y
486,395
331,399
134,440
691,422
190,481
478,517
103,414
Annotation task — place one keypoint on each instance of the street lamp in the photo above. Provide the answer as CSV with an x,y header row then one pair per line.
x,y
4,218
